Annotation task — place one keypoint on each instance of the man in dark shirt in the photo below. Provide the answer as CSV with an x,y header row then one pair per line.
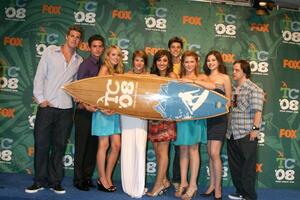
x,y
86,145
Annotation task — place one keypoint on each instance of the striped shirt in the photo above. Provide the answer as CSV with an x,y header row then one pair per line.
x,y
249,100
52,73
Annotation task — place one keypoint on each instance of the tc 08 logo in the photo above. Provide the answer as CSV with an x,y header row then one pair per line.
x,y
151,163
189,46
285,172
225,27
68,159
156,20
224,167
86,13
261,134
31,118
5,150
17,12
9,80
258,60
45,39
123,43
289,101
121,94
291,32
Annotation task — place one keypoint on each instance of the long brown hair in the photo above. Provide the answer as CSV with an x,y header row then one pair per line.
x,y
221,67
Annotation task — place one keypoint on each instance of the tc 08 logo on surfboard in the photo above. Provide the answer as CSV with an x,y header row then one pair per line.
x,y
120,93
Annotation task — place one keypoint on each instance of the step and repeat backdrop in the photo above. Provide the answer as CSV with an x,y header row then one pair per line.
x,y
271,44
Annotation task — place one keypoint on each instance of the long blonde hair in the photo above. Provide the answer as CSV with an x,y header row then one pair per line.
x,y
119,69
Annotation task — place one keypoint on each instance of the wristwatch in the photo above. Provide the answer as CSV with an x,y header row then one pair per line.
x,y
255,128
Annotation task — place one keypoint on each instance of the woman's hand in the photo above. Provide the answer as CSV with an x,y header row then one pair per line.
x,y
89,107
107,111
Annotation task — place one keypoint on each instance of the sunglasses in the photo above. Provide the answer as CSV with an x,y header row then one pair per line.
x,y
234,102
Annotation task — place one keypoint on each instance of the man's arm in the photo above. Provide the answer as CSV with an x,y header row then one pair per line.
x,y
256,122
256,103
39,81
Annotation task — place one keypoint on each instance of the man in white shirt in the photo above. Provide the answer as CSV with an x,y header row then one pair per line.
x,y
54,119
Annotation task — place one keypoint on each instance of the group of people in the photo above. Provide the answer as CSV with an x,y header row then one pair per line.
x,y
101,134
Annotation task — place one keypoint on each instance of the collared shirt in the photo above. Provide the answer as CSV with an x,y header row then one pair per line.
x,y
52,73
89,68
249,100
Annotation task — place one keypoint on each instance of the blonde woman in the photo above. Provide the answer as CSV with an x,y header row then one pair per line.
x,y
106,125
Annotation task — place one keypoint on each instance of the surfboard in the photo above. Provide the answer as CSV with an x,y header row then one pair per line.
x,y
149,97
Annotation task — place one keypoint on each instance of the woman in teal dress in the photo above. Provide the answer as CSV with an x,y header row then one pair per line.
x,y
190,133
106,125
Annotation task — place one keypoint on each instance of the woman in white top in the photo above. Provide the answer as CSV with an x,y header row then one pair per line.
x,y
134,140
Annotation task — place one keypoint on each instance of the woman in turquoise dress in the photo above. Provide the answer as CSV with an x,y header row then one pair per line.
x,y
106,125
190,133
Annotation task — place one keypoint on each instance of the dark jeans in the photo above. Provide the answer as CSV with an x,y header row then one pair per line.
x,y
242,157
51,132
86,147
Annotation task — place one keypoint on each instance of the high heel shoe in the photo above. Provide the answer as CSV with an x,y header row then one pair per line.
x,y
114,187
181,190
166,184
218,198
190,193
208,194
160,191
102,188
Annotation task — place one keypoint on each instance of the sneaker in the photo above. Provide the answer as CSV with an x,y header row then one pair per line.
x,y
235,197
58,189
34,188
